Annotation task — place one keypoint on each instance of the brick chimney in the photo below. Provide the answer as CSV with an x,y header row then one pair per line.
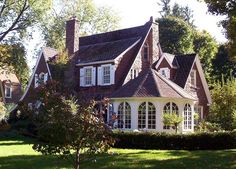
x,y
155,39
72,35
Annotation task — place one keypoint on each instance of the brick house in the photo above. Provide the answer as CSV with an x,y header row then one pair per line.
x,y
129,67
10,87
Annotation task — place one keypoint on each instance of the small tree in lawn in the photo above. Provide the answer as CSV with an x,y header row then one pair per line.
x,y
69,127
172,119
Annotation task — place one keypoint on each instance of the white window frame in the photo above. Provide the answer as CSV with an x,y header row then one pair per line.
x,y
107,75
166,70
101,75
85,69
83,78
143,122
170,111
124,116
8,86
188,118
194,80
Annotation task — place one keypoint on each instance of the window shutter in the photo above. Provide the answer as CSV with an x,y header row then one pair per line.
x,y
112,75
45,77
99,75
94,76
36,80
82,77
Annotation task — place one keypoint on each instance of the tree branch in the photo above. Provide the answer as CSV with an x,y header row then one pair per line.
x,y
24,8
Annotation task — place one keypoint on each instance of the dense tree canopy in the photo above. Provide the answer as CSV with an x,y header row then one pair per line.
x,y
92,20
227,8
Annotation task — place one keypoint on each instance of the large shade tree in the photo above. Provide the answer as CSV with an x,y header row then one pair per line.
x,y
92,20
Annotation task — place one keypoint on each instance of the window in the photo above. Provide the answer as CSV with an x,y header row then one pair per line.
x,y
40,79
134,73
146,116
124,116
106,75
165,72
170,108
8,90
193,78
198,110
88,76
187,117
145,52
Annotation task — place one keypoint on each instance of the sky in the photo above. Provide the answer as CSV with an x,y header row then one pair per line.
x,y
137,12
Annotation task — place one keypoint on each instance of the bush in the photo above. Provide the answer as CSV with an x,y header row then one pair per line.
x,y
164,141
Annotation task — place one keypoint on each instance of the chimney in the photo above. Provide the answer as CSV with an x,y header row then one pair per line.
x,y
72,35
155,39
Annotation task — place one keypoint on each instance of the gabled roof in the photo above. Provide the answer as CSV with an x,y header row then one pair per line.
x,y
49,53
105,51
185,63
170,58
109,45
151,84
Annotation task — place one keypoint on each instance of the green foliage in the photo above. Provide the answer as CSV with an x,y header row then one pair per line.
x,y
68,127
12,58
224,104
172,119
17,16
164,141
222,65
227,8
92,20
206,48
176,36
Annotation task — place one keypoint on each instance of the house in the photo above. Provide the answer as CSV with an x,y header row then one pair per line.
x,y
129,67
10,87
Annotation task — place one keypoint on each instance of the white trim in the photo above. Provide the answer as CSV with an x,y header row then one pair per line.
x,y
97,62
194,78
84,77
32,76
161,59
167,72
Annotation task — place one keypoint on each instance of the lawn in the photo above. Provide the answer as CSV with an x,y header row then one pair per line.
x,y
16,153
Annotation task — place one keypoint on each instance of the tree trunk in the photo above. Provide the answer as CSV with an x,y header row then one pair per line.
x,y
77,159
176,129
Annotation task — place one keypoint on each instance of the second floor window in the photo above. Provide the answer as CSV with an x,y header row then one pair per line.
x,y
165,72
88,76
106,75
8,90
193,78
145,52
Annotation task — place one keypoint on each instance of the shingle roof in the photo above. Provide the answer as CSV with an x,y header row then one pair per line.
x,y
150,83
185,63
105,51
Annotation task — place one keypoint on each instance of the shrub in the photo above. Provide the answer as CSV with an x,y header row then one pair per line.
x,y
196,141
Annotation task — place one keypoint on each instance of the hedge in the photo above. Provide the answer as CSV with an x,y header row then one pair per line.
x,y
165,141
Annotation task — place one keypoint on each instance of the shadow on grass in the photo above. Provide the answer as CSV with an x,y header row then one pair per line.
x,y
32,162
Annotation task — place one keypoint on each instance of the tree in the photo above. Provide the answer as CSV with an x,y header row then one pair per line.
x,y
206,47
166,10
17,16
176,36
68,127
92,20
172,119
224,104
12,58
223,65
227,8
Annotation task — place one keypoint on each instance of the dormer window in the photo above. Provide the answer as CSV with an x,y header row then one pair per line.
x,y
88,76
106,74
193,78
165,72
145,52
8,90
40,79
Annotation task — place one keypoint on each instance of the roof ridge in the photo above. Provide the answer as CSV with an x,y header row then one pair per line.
x,y
157,84
141,84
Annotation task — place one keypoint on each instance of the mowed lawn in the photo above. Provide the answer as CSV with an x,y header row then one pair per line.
x,y
17,153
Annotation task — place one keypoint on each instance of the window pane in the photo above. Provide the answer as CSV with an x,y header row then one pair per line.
x,y
88,76
124,116
151,116
142,116
106,75
187,117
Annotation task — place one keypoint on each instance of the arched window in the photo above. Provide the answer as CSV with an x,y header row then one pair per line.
x,y
124,116
145,51
187,117
146,116
170,108
142,116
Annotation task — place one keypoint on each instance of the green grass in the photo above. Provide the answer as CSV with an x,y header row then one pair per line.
x,y
16,153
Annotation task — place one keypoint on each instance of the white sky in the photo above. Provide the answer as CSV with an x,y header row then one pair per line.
x,y
137,12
